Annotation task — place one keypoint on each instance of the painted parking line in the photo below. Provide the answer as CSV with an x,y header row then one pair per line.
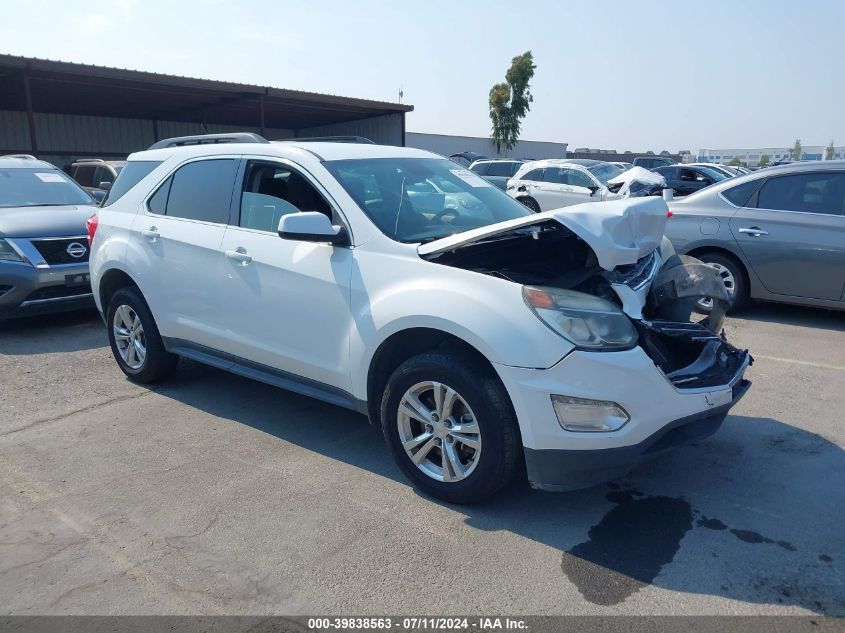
x,y
800,362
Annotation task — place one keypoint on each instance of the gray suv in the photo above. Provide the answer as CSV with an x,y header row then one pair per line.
x,y
43,239
777,234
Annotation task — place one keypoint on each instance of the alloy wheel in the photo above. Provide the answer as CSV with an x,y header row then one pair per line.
x,y
439,431
129,336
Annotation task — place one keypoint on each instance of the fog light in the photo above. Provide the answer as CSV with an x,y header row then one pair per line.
x,y
584,415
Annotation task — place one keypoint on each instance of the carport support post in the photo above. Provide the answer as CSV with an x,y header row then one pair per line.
x,y
30,117
261,111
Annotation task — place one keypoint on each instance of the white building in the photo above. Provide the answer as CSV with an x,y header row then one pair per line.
x,y
751,157
445,144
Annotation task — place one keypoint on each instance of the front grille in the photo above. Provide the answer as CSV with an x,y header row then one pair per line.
x,y
636,275
55,251
58,292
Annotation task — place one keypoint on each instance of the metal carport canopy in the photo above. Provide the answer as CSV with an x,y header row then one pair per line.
x,y
39,85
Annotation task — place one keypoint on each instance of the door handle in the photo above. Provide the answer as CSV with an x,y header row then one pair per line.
x,y
239,255
151,233
755,231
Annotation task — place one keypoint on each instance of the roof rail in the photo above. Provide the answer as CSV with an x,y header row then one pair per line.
x,y
209,139
21,156
330,139
89,160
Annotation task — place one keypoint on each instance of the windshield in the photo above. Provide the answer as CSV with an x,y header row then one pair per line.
x,y
605,171
39,187
423,199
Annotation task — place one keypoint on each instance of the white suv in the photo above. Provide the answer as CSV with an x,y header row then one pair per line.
x,y
484,341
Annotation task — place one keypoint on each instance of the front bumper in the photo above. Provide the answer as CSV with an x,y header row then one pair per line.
x,y
662,414
27,290
561,469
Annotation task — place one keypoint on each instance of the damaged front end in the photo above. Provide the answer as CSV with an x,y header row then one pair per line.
x,y
610,251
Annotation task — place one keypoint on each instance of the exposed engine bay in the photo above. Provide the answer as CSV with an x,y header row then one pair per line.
x,y
659,297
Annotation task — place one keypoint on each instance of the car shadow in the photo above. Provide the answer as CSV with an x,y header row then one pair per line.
x,y
786,314
753,514
50,333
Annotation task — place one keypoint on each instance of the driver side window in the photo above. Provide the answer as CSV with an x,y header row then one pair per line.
x,y
271,190
577,179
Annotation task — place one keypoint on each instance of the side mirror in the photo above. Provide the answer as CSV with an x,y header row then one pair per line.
x,y
98,196
106,186
593,190
311,226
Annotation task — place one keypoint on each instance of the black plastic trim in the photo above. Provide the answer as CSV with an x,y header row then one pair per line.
x,y
264,373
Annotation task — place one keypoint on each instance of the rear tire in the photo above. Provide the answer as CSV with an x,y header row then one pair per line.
x,y
734,271
531,203
135,340
461,445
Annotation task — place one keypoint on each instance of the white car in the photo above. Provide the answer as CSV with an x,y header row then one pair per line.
x,y
483,344
542,185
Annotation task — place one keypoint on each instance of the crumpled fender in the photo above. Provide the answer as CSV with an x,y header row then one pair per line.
x,y
681,283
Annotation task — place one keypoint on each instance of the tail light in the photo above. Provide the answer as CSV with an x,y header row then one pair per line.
x,y
91,224
669,214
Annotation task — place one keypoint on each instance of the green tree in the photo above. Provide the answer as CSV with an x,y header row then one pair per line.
x,y
828,151
796,150
764,160
510,102
735,161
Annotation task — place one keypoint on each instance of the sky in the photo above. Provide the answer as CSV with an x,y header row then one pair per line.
x,y
611,74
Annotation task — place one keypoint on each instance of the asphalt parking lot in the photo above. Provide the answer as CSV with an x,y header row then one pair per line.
x,y
212,494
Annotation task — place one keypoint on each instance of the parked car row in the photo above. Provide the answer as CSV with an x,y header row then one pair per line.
x,y
478,331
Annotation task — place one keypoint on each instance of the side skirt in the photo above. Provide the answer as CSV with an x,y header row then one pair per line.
x,y
265,374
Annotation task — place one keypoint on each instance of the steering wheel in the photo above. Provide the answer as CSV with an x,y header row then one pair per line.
x,y
446,212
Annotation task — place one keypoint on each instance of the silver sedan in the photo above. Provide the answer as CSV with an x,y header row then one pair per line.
x,y
777,234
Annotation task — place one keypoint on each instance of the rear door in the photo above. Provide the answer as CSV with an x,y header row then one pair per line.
x,y
179,234
793,234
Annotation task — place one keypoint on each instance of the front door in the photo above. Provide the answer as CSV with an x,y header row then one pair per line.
x,y
287,301
793,234
576,187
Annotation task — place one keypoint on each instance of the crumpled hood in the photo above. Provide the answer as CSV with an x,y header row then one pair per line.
x,y
68,220
619,231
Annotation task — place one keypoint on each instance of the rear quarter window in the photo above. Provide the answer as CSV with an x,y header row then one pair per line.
x,y
741,194
133,173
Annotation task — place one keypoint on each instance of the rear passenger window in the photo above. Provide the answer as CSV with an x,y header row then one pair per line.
x,y
740,194
158,201
272,190
810,193
198,191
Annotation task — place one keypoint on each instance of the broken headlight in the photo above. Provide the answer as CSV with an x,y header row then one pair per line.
x,y
586,321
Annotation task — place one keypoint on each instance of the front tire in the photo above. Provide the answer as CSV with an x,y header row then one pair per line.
x,y
134,338
450,426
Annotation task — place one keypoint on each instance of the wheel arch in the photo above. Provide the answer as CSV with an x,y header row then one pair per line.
x,y
110,282
405,344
